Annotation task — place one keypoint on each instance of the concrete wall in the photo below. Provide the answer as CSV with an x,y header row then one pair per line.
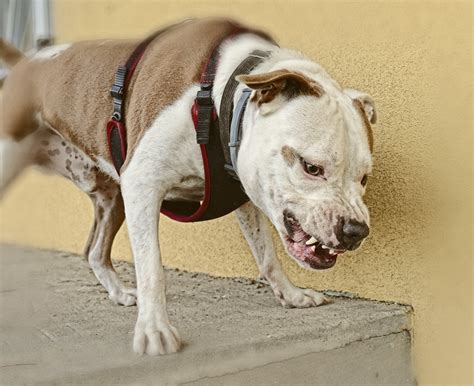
x,y
415,60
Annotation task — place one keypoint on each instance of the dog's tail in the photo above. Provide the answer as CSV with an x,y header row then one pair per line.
x,y
9,54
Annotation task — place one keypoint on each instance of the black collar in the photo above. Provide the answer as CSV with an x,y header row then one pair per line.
x,y
230,118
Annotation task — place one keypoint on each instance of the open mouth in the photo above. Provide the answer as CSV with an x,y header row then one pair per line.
x,y
306,249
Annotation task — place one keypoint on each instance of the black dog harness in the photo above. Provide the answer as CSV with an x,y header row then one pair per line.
x,y
218,138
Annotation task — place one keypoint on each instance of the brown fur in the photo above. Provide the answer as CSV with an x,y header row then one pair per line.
x,y
285,82
368,128
9,54
71,91
289,155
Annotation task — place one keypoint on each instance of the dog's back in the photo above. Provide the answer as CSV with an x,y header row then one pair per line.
x,y
66,87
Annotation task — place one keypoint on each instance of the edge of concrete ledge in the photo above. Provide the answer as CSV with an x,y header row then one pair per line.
x,y
209,354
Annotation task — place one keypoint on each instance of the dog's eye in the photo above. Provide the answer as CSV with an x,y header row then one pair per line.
x,y
363,181
313,170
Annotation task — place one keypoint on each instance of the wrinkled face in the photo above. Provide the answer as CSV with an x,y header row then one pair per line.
x,y
304,160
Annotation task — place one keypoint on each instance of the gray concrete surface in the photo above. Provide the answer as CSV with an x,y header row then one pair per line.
x,y
57,326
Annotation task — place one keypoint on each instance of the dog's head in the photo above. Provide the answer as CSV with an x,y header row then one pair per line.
x,y
304,160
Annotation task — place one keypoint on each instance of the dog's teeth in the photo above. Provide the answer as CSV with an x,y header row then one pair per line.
x,y
311,241
332,252
324,247
313,248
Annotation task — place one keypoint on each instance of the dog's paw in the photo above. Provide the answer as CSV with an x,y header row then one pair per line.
x,y
301,298
155,339
124,296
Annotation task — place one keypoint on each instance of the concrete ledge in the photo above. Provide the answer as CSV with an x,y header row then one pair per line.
x,y
58,327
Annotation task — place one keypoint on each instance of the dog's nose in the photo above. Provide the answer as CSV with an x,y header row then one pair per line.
x,y
353,232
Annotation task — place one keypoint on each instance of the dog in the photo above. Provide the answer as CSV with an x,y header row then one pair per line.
x,y
303,161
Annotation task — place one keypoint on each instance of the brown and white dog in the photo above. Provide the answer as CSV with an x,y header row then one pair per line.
x,y
303,160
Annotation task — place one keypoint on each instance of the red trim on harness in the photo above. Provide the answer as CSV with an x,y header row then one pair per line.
x,y
207,175
111,125
207,182
120,124
133,67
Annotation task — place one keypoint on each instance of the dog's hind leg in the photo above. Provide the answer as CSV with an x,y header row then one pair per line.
x,y
93,232
63,157
109,216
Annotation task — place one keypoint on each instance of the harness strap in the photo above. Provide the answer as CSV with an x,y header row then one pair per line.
x,y
204,101
223,191
227,193
205,104
236,131
230,120
116,131
221,182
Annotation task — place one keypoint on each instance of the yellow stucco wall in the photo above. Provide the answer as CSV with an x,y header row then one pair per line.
x,y
415,60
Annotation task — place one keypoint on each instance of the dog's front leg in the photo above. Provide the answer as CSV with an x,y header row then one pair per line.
x,y
153,332
258,234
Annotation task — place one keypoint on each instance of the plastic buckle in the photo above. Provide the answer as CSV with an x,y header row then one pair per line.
x,y
204,95
116,91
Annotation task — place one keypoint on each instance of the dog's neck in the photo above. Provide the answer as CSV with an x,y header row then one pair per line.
x,y
236,50
232,53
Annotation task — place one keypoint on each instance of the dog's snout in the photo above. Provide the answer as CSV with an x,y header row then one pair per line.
x,y
353,232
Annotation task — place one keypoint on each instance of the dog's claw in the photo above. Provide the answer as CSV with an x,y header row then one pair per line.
x,y
156,339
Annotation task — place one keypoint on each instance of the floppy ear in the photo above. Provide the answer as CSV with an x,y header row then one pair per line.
x,y
271,86
367,103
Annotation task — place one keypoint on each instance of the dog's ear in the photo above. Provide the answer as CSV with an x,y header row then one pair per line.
x,y
272,86
366,101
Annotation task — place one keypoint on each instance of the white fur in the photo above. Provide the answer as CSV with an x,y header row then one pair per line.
x,y
150,175
99,258
53,153
232,53
167,154
320,129
107,168
50,52
366,101
167,164
57,154
255,228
